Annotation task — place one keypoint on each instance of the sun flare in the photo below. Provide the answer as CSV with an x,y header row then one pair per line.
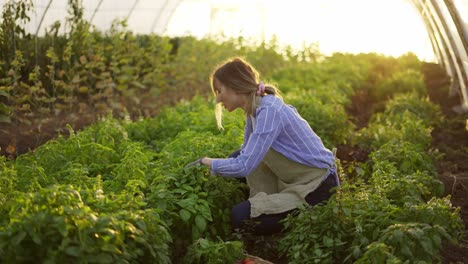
x,y
389,27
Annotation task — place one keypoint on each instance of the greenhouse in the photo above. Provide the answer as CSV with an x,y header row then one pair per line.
x,y
233,131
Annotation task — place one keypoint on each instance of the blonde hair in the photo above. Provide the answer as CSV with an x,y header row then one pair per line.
x,y
239,75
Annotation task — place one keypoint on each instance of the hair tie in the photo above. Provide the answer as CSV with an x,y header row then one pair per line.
x,y
261,89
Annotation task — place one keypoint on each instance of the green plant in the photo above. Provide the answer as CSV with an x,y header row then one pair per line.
x,y
55,225
327,118
409,242
125,181
401,188
403,81
436,212
212,252
406,156
421,107
397,128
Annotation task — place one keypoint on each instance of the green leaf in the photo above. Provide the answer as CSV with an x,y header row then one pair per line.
x,y
398,234
317,252
205,211
346,211
426,243
204,243
187,203
200,222
406,251
18,238
111,248
195,233
3,93
5,119
356,252
185,215
73,251
36,238
375,233
4,109
436,240
101,258
327,241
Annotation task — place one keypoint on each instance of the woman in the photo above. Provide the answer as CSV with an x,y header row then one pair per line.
x,y
285,163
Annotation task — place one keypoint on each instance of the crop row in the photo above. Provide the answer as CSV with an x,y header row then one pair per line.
x,y
394,212
118,191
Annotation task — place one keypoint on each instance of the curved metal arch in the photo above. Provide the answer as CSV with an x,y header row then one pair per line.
x,y
95,11
155,21
445,28
459,48
43,15
132,9
458,20
435,31
164,15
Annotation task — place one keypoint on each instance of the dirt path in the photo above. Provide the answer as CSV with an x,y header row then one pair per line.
x,y
451,139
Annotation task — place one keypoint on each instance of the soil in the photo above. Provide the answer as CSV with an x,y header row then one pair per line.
x,y
18,137
451,140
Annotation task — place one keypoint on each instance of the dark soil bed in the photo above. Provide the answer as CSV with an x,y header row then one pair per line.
x,y
451,139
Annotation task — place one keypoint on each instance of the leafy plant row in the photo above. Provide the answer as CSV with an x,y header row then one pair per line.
x,y
117,191
87,71
395,211
84,70
104,195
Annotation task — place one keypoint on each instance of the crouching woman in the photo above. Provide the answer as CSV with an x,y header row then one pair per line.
x,y
284,162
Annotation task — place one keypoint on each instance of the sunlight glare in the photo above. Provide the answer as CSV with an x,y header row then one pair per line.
x,y
389,27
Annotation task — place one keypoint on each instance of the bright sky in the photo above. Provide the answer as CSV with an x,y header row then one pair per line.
x,y
390,27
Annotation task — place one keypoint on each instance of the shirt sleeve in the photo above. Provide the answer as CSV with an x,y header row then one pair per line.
x,y
247,132
266,131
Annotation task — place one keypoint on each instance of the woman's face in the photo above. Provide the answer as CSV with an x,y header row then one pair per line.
x,y
228,97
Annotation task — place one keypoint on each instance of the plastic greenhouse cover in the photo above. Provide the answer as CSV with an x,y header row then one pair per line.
x,y
143,16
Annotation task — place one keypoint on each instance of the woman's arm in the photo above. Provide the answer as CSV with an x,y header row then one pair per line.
x,y
265,133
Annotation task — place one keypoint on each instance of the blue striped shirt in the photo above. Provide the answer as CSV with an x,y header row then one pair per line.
x,y
278,126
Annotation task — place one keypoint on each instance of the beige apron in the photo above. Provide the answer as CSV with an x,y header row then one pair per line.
x,y
279,184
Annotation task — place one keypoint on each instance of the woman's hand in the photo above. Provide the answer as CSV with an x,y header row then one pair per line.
x,y
201,161
206,161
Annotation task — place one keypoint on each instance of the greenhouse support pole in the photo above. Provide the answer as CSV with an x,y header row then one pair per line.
x,y
156,19
95,11
458,51
131,10
435,31
449,45
165,16
43,15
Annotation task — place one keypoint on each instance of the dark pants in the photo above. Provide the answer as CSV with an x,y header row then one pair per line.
x,y
269,224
